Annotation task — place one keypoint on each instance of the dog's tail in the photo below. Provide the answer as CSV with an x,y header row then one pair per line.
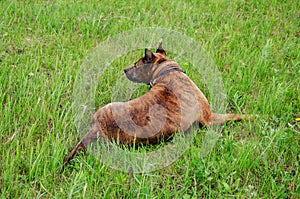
x,y
223,118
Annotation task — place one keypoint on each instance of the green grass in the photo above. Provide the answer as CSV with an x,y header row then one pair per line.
x,y
254,44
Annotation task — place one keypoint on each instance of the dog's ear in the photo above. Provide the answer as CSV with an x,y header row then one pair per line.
x,y
149,56
160,49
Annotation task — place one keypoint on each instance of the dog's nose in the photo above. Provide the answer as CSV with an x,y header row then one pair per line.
x,y
125,70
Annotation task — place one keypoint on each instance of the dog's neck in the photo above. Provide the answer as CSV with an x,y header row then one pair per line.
x,y
164,68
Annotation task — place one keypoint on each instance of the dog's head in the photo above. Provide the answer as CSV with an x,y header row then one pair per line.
x,y
142,70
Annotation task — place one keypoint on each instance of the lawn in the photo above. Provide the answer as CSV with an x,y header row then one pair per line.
x,y
254,45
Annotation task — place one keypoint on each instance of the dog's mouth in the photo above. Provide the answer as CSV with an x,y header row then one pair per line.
x,y
128,69
130,74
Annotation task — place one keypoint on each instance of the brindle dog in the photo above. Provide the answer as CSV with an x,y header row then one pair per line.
x,y
172,104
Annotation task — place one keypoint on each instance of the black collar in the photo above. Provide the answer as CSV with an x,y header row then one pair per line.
x,y
166,72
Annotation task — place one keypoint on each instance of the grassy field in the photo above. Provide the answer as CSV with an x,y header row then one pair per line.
x,y
254,44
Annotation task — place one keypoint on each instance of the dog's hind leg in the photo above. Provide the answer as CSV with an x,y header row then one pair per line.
x,y
91,136
223,118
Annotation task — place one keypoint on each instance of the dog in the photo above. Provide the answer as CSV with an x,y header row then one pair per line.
x,y
172,105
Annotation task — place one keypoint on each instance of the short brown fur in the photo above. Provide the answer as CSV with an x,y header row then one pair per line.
x,y
173,103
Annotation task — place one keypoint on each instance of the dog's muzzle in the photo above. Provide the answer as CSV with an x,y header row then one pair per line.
x,y
127,69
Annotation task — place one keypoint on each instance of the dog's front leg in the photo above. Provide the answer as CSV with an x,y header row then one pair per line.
x,y
91,136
